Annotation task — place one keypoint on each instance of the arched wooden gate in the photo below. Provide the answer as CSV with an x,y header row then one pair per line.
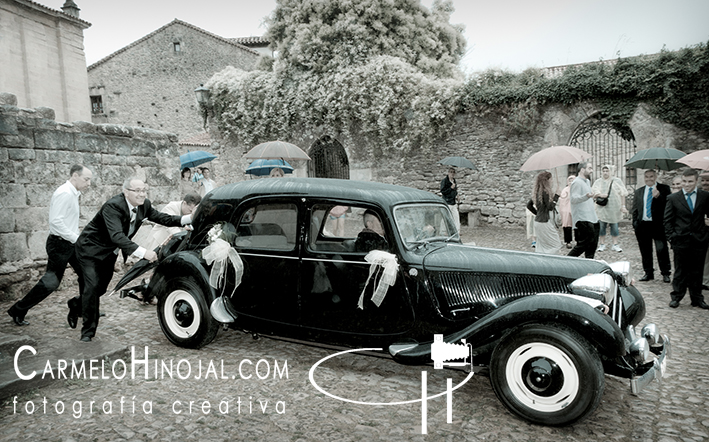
x,y
328,159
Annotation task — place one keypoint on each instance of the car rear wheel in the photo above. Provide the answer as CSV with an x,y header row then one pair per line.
x,y
548,375
184,314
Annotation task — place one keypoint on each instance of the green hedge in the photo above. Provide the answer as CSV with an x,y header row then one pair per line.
x,y
392,105
674,84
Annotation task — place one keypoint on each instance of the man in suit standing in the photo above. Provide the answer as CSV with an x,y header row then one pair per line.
x,y
97,248
648,222
63,233
686,219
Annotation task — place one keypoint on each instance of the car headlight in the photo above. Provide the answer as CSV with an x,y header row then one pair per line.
x,y
600,286
622,268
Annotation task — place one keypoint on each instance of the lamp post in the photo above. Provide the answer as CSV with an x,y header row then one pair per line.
x,y
204,100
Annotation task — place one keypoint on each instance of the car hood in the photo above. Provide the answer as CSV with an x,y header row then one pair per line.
x,y
470,282
466,258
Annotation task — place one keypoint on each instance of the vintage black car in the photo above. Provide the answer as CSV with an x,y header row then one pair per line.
x,y
546,328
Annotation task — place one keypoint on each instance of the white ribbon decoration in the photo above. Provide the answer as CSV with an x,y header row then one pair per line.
x,y
385,265
218,252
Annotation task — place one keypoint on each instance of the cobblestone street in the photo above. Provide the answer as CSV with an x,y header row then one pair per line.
x,y
289,408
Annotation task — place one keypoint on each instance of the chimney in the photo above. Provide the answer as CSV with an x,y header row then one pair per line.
x,y
70,8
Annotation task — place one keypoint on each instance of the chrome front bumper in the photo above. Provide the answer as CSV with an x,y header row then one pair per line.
x,y
659,367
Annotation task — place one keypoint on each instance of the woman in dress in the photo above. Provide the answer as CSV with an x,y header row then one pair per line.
x,y
610,214
542,205
565,211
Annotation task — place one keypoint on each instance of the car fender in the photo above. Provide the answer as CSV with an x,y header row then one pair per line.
x,y
592,324
185,263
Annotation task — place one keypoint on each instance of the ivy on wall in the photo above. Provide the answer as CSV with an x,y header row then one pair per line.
x,y
674,84
391,105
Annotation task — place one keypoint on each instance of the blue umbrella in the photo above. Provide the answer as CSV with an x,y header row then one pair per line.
x,y
194,159
262,167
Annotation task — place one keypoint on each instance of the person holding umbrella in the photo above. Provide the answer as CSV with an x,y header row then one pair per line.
x,y
542,204
648,216
449,190
205,182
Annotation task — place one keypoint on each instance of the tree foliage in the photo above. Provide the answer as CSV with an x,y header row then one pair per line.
x,y
320,36
386,103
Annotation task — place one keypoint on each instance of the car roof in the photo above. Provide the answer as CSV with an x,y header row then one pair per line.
x,y
385,195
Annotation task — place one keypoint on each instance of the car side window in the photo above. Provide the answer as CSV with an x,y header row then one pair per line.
x,y
270,226
339,229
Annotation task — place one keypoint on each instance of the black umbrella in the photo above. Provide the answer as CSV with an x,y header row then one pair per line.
x,y
663,158
458,162
143,266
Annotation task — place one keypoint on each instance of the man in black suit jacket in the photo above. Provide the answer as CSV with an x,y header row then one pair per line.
x,y
97,248
648,216
686,220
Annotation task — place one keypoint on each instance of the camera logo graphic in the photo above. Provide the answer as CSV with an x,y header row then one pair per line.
x,y
443,354
443,351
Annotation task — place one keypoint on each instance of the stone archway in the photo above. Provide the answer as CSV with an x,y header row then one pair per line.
x,y
609,143
328,159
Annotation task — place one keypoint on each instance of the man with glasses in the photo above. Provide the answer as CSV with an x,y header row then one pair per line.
x,y
98,245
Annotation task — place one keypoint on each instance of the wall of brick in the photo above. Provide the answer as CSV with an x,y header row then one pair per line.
x,y
36,153
149,84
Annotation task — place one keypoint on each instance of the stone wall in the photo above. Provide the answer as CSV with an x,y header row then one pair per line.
x,y
150,83
497,192
36,153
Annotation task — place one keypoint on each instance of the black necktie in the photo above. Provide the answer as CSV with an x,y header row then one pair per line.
x,y
132,221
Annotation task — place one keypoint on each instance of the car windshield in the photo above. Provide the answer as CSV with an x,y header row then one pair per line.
x,y
422,223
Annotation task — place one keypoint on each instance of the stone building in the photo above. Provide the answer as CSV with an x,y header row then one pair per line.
x,y
150,83
42,57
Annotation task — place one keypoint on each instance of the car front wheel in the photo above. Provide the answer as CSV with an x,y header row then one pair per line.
x,y
548,375
184,314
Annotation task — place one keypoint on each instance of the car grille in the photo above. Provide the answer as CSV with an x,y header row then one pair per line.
x,y
465,289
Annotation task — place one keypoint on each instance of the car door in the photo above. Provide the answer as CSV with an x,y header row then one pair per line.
x,y
267,243
334,275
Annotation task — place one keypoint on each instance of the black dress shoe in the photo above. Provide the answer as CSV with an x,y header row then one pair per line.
x,y
71,318
674,304
85,339
666,278
646,277
19,321
702,304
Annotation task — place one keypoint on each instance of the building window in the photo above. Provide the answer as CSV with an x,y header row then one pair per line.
x,y
176,46
96,104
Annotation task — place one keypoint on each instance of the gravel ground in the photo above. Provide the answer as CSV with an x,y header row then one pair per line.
x,y
289,408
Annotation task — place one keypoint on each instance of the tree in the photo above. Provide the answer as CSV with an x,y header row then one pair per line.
x,y
322,35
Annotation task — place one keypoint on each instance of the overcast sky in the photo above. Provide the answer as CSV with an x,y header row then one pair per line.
x,y
506,34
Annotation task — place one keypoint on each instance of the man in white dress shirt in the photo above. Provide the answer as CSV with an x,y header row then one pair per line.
x,y
158,233
583,212
63,233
